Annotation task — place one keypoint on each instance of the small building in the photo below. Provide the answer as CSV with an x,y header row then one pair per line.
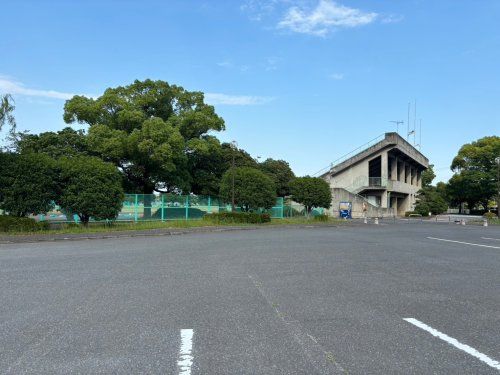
x,y
381,180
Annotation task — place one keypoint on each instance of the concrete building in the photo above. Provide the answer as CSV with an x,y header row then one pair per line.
x,y
381,180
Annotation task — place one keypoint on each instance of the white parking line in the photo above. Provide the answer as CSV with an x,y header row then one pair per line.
x,y
465,243
185,358
457,344
488,238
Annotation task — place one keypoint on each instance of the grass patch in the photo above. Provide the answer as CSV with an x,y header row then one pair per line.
x,y
101,227
494,221
301,220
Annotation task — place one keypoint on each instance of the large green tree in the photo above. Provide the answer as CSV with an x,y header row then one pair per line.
x,y
476,169
90,188
28,183
281,173
148,130
311,192
253,189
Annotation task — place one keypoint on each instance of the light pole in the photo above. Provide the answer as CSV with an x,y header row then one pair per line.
x,y
497,160
234,146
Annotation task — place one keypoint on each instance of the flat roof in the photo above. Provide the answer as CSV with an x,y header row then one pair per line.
x,y
390,141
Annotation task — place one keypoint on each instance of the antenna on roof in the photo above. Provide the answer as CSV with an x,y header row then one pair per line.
x,y
419,144
397,124
420,136
414,122
408,123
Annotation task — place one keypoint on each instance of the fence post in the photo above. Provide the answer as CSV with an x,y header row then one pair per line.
x,y
187,207
163,207
282,207
209,205
135,208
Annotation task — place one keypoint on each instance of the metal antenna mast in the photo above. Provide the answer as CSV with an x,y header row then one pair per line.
x,y
408,124
414,121
420,136
397,124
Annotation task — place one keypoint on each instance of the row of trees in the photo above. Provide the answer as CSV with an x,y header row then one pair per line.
x,y
148,137
476,181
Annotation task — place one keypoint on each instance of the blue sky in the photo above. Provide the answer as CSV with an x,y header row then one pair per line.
x,y
300,80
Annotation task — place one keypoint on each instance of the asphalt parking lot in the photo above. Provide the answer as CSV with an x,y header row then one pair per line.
x,y
406,298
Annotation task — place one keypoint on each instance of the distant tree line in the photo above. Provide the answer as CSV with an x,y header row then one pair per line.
x,y
475,182
147,137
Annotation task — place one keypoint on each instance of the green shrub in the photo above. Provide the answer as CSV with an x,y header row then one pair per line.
x,y
489,215
21,224
238,217
321,217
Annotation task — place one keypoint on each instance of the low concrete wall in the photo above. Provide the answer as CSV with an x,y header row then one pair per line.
x,y
342,195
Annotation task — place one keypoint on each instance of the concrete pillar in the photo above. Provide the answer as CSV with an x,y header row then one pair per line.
x,y
384,167
395,205
383,200
412,175
401,170
407,173
394,169
419,179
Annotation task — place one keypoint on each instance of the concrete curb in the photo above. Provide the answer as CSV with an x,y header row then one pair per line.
x,y
13,239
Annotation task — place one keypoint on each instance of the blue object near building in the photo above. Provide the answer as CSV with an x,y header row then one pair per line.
x,y
345,210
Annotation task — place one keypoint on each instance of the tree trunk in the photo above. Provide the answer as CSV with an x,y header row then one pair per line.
x,y
84,219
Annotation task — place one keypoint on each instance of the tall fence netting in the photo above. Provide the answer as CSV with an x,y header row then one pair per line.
x,y
165,207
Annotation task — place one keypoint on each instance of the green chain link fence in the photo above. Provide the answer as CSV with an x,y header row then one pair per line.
x,y
164,207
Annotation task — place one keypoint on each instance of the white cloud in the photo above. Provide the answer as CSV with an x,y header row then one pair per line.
x,y
392,18
271,64
230,65
11,86
224,99
336,76
225,64
324,18
258,9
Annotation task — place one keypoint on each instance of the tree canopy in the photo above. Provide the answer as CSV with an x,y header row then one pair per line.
x,y
428,176
90,188
28,183
281,173
476,168
147,129
311,192
207,165
66,142
253,189
429,199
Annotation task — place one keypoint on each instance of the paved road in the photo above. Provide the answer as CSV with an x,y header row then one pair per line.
x,y
271,301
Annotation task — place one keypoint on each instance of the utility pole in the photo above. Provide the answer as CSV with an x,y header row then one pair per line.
x,y
234,145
